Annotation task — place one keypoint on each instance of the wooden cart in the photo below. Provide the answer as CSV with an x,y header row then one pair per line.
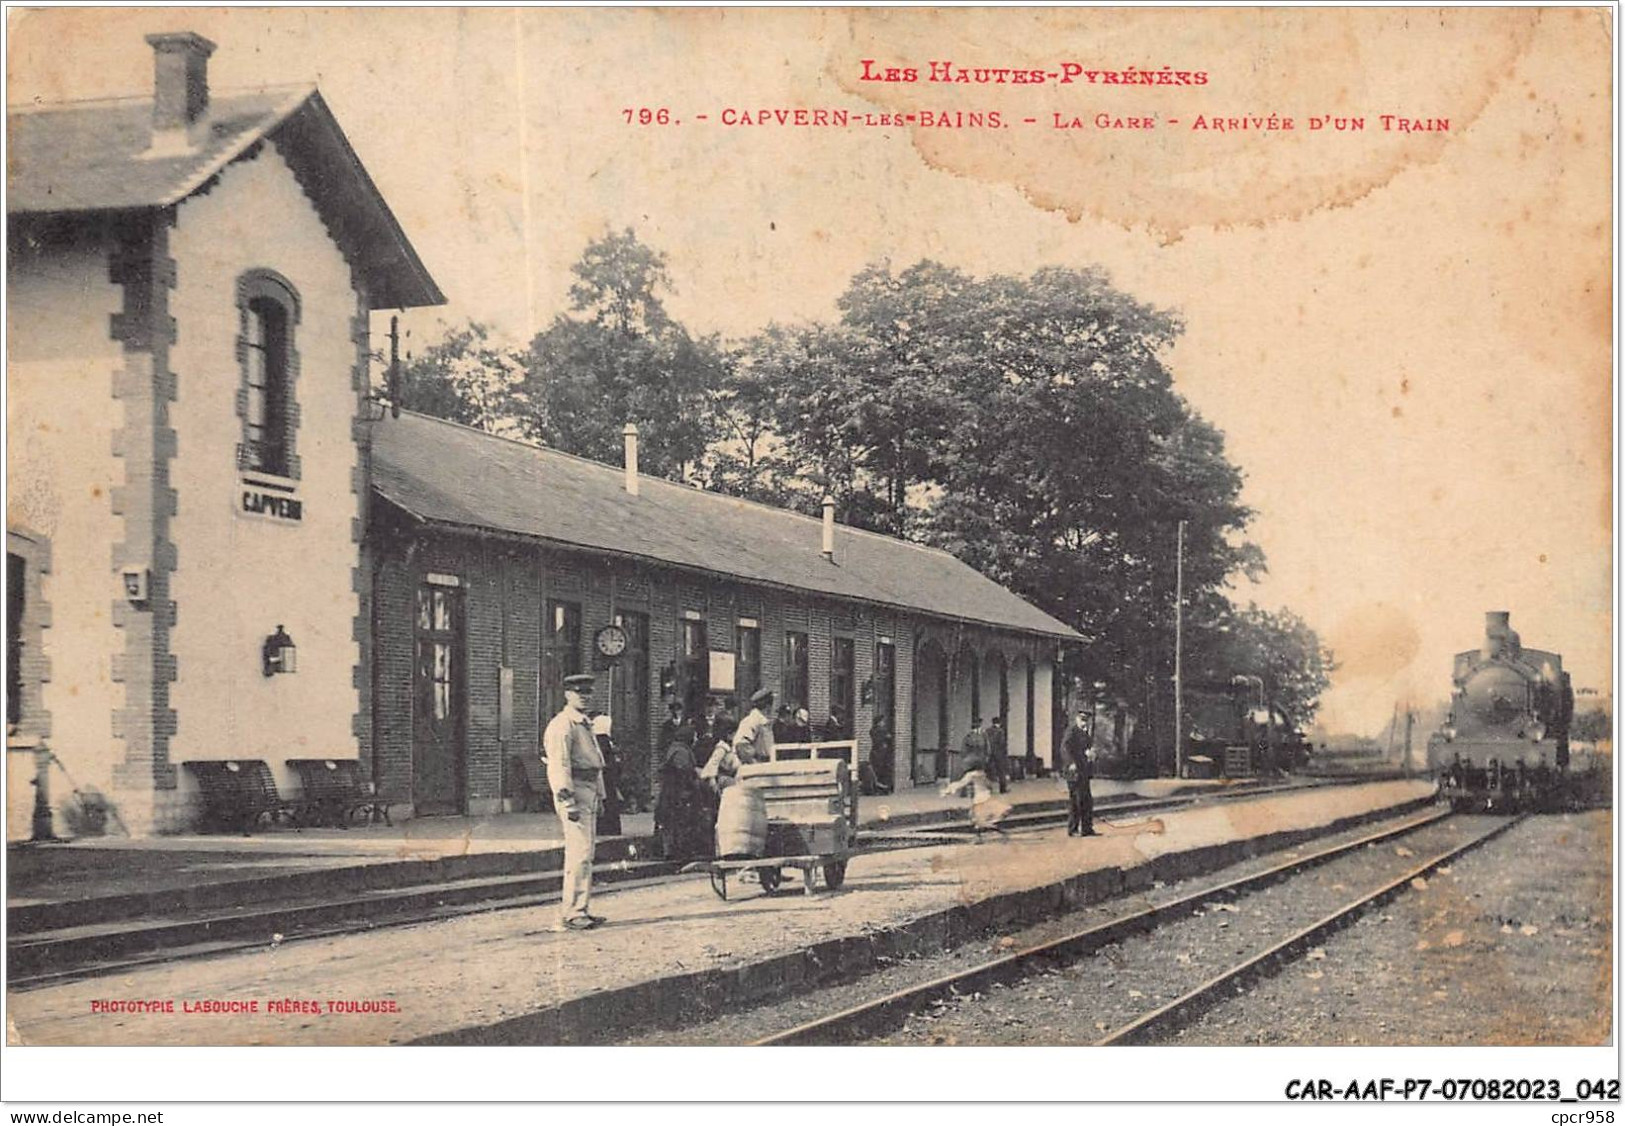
x,y
812,825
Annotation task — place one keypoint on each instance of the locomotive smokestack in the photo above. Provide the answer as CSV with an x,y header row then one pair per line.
x,y
1499,636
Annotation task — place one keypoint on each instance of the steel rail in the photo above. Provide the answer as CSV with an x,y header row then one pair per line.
x,y
1183,1009
868,1019
870,841
1104,811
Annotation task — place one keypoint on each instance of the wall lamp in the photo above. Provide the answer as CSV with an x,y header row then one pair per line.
x,y
279,653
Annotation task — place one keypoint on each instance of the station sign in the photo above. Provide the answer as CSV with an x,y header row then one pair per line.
x,y
268,501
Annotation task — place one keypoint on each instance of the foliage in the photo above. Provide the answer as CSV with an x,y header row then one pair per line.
x,y
619,357
746,454
1028,425
1278,647
466,378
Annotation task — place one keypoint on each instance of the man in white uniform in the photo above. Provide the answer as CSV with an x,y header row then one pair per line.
x,y
753,742
575,774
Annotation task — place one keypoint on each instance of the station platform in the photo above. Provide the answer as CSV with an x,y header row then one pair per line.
x,y
671,947
100,867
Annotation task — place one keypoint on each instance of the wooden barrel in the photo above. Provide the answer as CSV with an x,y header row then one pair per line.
x,y
741,823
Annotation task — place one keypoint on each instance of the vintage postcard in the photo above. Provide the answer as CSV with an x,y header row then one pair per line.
x,y
1059,527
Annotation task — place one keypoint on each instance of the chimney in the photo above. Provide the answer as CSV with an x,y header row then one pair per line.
x,y
829,527
181,79
1499,636
630,433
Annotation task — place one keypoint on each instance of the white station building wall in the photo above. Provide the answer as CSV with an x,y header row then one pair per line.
x,y
60,419
240,575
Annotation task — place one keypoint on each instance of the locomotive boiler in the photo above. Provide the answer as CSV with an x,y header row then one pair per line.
x,y
1505,743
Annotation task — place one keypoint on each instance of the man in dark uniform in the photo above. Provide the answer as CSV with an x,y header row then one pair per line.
x,y
1078,753
973,751
998,754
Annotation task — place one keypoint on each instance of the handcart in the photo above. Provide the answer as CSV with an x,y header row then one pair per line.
x,y
811,825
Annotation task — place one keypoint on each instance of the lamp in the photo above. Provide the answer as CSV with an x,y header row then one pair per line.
x,y
279,653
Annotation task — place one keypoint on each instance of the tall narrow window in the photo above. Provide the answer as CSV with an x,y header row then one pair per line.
x,y
975,673
748,657
886,684
796,675
842,687
694,670
268,310
561,653
629,695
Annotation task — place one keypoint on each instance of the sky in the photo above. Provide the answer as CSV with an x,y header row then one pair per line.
x,y
1404,335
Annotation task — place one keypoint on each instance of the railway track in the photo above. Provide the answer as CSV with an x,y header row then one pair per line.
x,y
39,958
877,1017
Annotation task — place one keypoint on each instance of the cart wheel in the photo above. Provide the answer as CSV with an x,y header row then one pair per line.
x,y
719,884
771,878
835,874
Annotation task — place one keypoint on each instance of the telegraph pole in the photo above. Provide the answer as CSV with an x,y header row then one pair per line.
x,y
1179,653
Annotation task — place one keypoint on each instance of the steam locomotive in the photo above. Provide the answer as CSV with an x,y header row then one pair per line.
x,y
1505,743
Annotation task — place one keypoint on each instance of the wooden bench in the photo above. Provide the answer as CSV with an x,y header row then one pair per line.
x,y
335,791
527,784
238,792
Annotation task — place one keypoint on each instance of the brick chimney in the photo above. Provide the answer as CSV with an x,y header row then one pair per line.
x,y
829,528
629,434
181,80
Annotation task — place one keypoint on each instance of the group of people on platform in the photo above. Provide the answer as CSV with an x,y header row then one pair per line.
x,y
582,773
984,761
700,759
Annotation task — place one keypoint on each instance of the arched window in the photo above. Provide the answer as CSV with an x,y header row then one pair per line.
x,y
268,311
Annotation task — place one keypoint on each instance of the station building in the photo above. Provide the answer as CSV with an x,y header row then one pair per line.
x,y
501,567
219,547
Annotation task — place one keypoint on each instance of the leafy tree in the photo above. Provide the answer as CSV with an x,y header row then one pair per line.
x,y
619,357
1279,647
746,456
1030,426
466,378
868,406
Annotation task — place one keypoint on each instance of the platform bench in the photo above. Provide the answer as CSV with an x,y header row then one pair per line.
x,y
237,793
527,784
335,791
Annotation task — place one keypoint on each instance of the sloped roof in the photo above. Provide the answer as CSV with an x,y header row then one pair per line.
x,y
450,475
91,156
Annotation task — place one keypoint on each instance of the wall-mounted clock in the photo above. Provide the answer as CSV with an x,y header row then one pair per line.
x,y
611,641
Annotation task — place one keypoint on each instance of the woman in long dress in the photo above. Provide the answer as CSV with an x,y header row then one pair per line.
x,y
681,803
718,774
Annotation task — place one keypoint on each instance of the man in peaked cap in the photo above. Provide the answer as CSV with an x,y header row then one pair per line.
x,y
753,741
575,774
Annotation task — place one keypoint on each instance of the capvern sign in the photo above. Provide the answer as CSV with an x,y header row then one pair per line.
x,y
262,503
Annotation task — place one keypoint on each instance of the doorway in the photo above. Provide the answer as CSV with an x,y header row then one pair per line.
x,y
439,701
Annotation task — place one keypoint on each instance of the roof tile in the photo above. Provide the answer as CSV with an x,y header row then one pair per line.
x,y
448,474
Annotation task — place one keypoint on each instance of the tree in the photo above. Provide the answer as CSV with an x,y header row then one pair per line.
x,y
746,456
466,378
867,407
619,357
1028,425
1278,647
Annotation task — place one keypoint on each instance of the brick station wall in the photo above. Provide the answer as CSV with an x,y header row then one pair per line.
x,y
506,588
